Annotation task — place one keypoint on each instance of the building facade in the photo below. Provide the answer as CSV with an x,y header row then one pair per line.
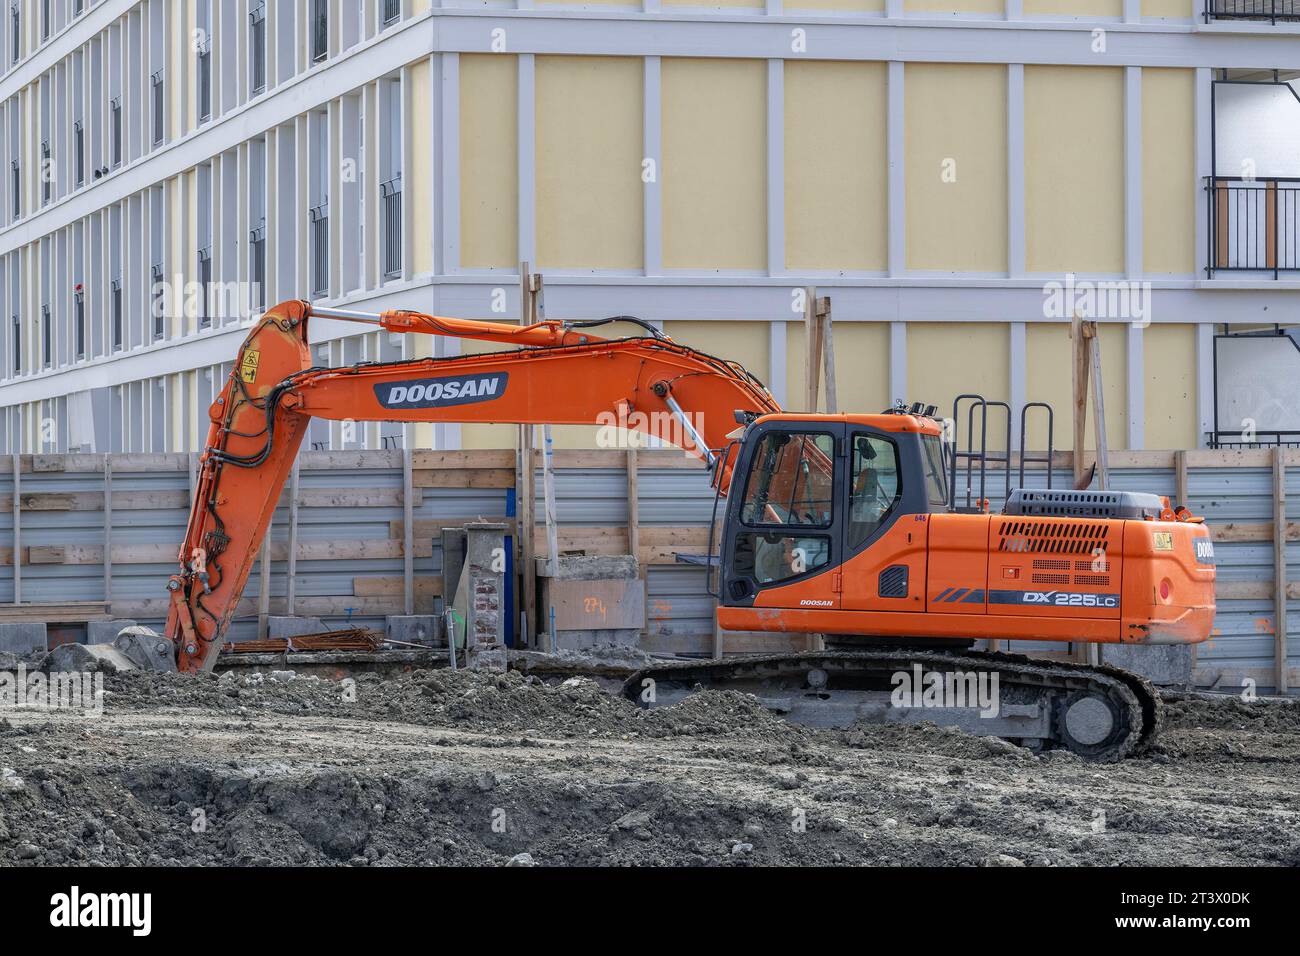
x,y
960,176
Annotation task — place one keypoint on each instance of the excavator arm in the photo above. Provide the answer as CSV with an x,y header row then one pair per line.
x,y
557,373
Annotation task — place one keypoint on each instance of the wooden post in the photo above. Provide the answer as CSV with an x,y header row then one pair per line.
x,y
1279,570
18,530
1098,409
1079,383
291,595
812,350
408,531
524,490
264,587
538,313
1183,498
828,353
108,531
633,518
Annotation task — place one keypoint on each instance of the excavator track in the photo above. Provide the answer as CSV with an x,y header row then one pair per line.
x,y
1099,712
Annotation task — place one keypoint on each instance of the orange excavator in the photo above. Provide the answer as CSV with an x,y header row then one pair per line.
x,y
842,526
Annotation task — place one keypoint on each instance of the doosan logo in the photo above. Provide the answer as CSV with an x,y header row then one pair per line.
x,y
442,392
76,909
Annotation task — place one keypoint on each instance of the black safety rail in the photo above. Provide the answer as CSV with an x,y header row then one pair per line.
x,y
1274,11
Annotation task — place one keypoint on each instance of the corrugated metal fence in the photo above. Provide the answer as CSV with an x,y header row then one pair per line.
x,y
350,532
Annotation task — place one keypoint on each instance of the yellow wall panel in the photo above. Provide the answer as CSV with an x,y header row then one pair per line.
x,y
743,342
861,367
489,160
955,138
420,175
1170,389
1074,8
1171,9
590,207
953,6
1169,170
865,6
1048,351
836,201
947,359
714,168
1074,169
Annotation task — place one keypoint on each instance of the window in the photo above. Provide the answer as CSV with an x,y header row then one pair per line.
x,y
47,173
936,476
790,486
159,117
391,200
46,17
78,144
115,296
392,11
77,7
320,30
16,31
205,82
320,250
257,47
159,302
18,189
874,488
205,281
18,345
79,322
115,106
791,481
47,338
257,263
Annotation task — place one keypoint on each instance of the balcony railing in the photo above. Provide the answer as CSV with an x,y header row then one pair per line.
x,y
320,250
1236,440
1274,11
1254,225
391,228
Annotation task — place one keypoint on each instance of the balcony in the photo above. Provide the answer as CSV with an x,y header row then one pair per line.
x,y
1270,11
1254,225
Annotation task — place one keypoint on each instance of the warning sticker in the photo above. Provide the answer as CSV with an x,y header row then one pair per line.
x,y
1164,541
248,365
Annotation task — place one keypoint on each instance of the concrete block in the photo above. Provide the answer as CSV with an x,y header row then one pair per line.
x,y
589,567
1166,665
105,632
85,658
414,628
23,638
282,627
586,640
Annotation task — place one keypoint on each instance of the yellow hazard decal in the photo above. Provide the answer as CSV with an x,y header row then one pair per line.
x,y
248,366
1164,541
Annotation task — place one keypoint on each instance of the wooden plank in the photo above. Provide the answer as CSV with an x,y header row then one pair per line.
x,y
464,478
633,506
49,554
1079,392
1250,531
828,353
247,609
1279,571
1099,426
423,459
524,505
1253,590
63,612
429,586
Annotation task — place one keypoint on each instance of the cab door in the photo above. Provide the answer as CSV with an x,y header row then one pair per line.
x,y
784,541
885,522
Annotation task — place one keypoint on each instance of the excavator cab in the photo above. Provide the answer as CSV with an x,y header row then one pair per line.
x,y
811,492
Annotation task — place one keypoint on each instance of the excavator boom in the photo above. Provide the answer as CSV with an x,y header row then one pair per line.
x,y
646,384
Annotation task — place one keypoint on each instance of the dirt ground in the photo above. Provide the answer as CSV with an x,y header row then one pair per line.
x,y
469,768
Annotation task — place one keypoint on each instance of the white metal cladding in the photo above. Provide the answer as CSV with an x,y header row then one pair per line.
x,y
151,495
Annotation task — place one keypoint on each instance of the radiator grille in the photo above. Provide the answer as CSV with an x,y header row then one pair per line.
x,y
1092,580
1052,564
1053,537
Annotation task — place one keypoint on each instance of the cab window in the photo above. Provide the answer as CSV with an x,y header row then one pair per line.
x,y
791,481
874,487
